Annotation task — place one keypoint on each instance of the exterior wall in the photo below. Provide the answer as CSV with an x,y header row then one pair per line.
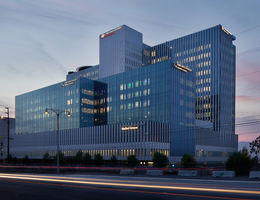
x,y
81,97
210,53
209,153
108,140
156,92
212,57
3,136
120,50
89,73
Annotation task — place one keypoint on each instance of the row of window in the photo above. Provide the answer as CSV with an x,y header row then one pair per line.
x,y
137,104
159,59
193,50
135,94
140,152
203,80
203,72
136,84
204,89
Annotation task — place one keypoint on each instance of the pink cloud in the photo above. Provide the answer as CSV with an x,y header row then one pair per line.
x,y
247,137
247,99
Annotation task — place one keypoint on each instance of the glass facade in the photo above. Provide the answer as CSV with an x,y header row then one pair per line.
x,y
211,55
136,82
158,92
76,96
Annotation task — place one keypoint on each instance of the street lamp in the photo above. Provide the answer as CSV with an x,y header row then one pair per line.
x,y
57,112
8,130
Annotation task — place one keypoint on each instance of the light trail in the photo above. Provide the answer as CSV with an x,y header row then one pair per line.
x,y
81,181
127,190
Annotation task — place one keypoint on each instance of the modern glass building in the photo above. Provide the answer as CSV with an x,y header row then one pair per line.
x,y
81,97
211,55
176,97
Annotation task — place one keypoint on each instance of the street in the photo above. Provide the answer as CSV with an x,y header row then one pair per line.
x,y
31,186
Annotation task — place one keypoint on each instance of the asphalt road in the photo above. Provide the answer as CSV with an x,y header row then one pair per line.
x,y
70,187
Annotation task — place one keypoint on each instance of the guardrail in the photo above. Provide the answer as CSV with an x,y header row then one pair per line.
x,y
254,174
127,172
154,172
187,173
226,174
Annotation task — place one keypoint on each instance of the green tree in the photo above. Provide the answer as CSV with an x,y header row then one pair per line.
x,y
46,158
240,162
113,160
160,160
87,158
61,158
26,159
132,161
255,147
98,159
188,161
79,157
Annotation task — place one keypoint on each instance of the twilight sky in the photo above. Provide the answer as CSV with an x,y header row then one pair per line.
x,y
43,39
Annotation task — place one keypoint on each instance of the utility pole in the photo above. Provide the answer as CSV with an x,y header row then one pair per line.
x,y
8,133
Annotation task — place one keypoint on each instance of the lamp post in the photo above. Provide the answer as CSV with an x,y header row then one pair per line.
x,y
57,112
8,130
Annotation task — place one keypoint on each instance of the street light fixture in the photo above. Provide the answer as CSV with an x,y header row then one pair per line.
x,y
57,112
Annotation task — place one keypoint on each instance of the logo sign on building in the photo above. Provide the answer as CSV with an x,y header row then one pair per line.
x,y
68,82
104,35
128,128
181,68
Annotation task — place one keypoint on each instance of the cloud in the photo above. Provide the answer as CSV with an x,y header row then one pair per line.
x,y
48,56
252,99
249,51
248,29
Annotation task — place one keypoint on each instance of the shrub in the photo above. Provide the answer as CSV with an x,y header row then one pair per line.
x,y
26,159
188,161
46,158
160,160
113,159
98,159
61,158
87,158
240,162
79,157
131,161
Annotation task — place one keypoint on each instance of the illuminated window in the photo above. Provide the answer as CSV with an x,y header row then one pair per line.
x,y
136,83
87,101
88,92
136,104
121,87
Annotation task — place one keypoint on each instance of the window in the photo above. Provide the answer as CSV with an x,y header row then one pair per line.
x,y
136,104
136,83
